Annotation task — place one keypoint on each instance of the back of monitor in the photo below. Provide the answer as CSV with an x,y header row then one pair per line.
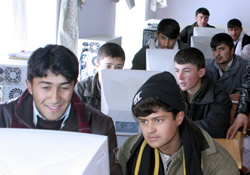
x,y
203,44
207,31
160,60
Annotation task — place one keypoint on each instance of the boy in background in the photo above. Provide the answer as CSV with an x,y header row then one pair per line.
x,y
170,143
207,104
109,56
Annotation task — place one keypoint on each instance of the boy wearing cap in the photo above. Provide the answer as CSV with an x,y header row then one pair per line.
x,y
170,143
168,32
207,104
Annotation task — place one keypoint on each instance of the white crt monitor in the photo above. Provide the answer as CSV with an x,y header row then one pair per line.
x,y
203,44
37,152
117,92
207,31
160,60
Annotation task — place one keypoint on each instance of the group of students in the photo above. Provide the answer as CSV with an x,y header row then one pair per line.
x,y
178,116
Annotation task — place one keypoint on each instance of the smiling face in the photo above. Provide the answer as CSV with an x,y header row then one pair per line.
x,y
52,94
161,130
165,42
189,77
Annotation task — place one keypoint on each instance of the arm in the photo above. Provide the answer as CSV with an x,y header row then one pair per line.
x,y
242,110
217,114
139,61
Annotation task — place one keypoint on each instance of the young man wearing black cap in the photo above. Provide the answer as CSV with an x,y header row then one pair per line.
x,y
207,104
168,32
170,143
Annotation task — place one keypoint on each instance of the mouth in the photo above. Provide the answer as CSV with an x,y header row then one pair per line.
x,y
54,108
152,138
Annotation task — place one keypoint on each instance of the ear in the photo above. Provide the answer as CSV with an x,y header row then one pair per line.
x,y
29,86
202,72
179,118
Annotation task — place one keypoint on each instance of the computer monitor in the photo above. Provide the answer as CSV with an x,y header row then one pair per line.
x,y
34,151
203,44
160,60
117,92
207,31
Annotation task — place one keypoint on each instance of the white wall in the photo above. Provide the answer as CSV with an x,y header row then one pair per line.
x,y
97,17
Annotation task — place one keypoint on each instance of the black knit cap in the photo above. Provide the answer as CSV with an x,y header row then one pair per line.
x,y
163,86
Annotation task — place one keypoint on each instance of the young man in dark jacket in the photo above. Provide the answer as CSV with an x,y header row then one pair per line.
x,y
50,101
201,17
168,33
207,104
170,143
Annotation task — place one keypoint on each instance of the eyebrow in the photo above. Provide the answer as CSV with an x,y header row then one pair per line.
x,y
49,83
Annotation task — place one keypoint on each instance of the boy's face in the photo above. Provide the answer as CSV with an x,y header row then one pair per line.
x,y
110,63
165,42
189,77
223,54
160,130
201,20
235,32
52,94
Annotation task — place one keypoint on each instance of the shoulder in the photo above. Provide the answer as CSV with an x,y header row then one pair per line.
x,y
216,159
181,44
85,82
7,111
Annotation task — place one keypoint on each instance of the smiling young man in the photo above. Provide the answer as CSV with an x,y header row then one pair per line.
x,y
226,69
207,104
201,18
50,101
167,37
169,143
109,56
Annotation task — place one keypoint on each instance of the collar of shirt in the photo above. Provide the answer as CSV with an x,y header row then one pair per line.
x,y
227,67
36,114
166,159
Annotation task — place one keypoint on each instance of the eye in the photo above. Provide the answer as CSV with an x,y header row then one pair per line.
x,y
45,87
143,122
158,120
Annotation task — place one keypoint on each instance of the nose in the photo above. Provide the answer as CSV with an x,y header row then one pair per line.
x,y
151,127
54,95
179,75
216,53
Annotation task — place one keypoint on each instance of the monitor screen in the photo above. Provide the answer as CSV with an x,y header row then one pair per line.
x,y
160,60
203,44
34,151
207,31
117,92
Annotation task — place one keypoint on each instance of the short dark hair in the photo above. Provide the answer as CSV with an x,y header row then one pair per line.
x,y
203,11
55,58
220,38
169,27
190,55
234,23
146,107
110,50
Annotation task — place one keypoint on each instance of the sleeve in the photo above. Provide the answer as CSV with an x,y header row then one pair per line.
x,y
243,105
139,61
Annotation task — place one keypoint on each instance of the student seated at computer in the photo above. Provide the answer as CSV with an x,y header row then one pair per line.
x,y
170,143
207,104
109,56
201,17
240,38
50,101
167,37
226,69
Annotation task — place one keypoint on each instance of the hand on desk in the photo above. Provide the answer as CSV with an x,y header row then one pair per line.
x,y
240,121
